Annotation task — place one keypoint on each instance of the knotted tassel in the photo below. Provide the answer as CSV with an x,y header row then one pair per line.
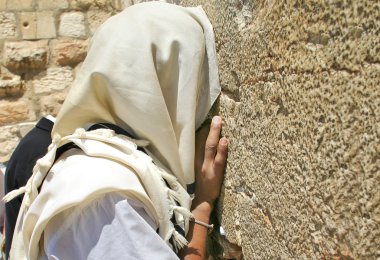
x,y
179,241
13,194
187,215
183,211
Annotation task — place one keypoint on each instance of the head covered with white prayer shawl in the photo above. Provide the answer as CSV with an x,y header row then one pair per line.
x,y
151,70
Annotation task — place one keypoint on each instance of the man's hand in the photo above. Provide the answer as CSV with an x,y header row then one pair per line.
x,y
210,160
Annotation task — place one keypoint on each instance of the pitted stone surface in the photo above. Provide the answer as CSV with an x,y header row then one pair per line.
x,y
301,103
72,25
54,79
10,85
68,52
7,25
25,55
96,18
15,112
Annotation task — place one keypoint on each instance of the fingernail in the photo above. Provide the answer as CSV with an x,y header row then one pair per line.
x,y
216,120
223,141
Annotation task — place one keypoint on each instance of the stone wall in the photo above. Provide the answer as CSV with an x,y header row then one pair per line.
x,y
301,101
42,42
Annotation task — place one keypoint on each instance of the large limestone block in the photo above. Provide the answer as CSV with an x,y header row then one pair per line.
x,y
298,158
25,55
301,103
52,80
72,24
46,25
37,25
28,25
248,218
68,52
8,25
15,111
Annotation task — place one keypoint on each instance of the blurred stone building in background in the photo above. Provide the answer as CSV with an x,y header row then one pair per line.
x,y
301,102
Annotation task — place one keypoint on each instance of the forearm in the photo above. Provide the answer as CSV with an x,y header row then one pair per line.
x,y
208,178
197,235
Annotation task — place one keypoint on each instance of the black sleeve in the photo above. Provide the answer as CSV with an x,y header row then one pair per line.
x,y
19,169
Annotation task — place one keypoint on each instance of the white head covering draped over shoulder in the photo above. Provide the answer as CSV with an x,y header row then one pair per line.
x,y
151,70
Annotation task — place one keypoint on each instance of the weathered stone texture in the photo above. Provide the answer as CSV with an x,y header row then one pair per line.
x,y
10,85
25,55
301,102
49,4
68,52
19,4
106,5
15,111
50,105
96,18
8,140
7,25
72,25
52,80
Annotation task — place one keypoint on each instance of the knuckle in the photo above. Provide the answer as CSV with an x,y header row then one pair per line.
x,y
222,148
204,169
219,162
210,146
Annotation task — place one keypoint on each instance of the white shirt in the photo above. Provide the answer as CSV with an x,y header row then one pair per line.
x,y
111,226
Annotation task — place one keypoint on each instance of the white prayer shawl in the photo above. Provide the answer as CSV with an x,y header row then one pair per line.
x,y
152,70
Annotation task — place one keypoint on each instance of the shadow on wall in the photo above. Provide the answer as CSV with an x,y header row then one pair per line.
x,y
220,248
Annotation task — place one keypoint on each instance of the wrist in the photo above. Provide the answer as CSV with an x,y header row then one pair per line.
x,y
202,210
202,199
